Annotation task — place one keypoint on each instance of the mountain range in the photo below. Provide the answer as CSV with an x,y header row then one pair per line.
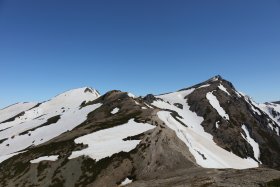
x,y
209,134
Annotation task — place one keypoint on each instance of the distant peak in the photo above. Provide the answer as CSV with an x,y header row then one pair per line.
x,y
80,91
89,89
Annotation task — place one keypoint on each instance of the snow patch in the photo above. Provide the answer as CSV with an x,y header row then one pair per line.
x,y
148,105
221,87
105,143
131,95
126,182
217,124
204,86
44,158
216,105
115,110
252,142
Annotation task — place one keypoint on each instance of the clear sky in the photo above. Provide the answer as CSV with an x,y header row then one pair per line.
x,y
147,46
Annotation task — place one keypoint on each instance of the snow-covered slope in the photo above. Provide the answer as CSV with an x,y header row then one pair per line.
x,y
188,128
9,112
46,121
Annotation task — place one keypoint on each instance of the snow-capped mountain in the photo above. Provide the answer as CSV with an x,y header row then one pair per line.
x,y
205,135
31,124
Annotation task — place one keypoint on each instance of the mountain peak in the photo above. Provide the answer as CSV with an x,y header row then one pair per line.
x,y
91,90
216,78
80,91
76,96
213,80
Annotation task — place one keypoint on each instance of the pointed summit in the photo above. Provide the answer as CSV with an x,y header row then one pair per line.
x,y
80,92
216,78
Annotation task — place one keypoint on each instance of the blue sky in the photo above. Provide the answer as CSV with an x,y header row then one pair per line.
x,y
49,46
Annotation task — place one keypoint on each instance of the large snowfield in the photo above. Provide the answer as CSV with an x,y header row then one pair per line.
x,y
105,143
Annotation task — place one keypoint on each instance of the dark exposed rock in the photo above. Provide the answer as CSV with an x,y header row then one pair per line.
x,y
88,90
13,118
149,98
179,105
